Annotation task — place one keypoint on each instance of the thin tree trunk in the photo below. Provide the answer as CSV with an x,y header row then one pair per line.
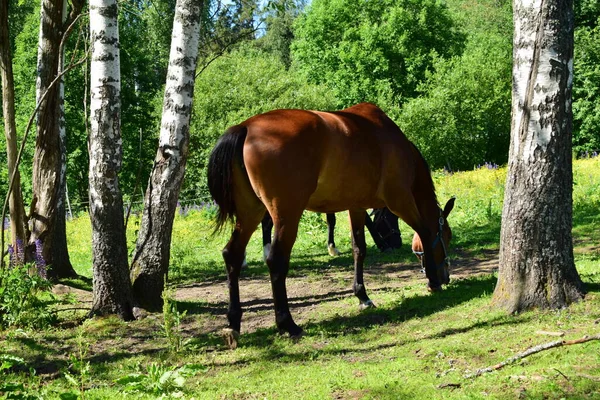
x,y
49,170
537,268
151,257
17,210
61,262
111,285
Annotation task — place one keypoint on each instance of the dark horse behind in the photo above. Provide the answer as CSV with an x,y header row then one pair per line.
x,y
288,161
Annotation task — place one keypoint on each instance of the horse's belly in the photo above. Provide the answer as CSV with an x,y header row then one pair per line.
x,y
341,196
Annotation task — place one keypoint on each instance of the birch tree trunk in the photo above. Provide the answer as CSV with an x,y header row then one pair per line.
x,y
111,284
151,257
17,210
537,268
47,217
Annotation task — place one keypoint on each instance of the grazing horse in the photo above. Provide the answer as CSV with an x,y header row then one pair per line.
x,y
286,161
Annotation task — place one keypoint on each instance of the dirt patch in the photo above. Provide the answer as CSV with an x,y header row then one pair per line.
x,y
207,303
306,293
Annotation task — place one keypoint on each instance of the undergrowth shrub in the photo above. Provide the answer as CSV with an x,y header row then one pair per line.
x,y
25,298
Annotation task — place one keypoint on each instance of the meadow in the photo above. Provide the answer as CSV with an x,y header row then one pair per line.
x,y
413,345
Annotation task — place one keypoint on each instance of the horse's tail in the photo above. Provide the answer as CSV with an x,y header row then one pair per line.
x,y
220,172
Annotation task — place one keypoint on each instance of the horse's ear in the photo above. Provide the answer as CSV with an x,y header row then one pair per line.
x,y
448,207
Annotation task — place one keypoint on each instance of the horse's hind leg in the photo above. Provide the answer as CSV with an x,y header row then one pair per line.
x,y
267,227
233,254
333,251
286,229
359,248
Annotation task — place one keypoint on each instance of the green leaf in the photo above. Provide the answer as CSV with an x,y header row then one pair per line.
x,y
130,379
69,396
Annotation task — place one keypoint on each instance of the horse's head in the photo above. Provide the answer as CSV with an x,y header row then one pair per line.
x,y
440,248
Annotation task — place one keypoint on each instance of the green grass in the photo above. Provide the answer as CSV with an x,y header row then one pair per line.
x,y
411,346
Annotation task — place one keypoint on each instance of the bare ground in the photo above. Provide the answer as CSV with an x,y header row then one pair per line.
x,y
207,304
306,293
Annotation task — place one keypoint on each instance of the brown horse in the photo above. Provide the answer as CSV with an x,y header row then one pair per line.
x,y
286,161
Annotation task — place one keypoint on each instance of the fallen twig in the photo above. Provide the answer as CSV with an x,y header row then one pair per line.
x,y
531,351
448,385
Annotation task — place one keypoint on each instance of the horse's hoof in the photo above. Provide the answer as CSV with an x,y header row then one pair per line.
x,y
296,337
366,304
231,338
333,251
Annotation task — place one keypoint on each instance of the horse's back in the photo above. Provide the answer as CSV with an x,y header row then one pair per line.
x,y
326,161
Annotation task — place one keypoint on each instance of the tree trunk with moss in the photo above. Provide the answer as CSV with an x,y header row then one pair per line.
x,y
537,267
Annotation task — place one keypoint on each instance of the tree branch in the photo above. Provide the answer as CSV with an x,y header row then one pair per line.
x,y
530,351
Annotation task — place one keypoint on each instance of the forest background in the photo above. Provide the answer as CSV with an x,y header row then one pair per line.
x,y
441,70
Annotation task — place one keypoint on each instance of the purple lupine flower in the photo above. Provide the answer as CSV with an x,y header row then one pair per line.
x,y
11,255
19,253
6,223
40,263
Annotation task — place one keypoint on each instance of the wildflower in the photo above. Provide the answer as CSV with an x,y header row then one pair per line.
x,y
19,253
40,263
11,255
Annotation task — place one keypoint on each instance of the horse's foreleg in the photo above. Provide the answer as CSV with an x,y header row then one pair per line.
x,y
279,263
331,248
359,249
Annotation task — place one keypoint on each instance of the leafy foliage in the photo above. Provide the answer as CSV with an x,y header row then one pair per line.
x,y
172,320
160,379
376,51
24,298
232,89
586,87
465,102
466,105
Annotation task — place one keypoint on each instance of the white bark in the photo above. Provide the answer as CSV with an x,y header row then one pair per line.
x,y
111,284
105,104
536,79
179,91
536,249
151,257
